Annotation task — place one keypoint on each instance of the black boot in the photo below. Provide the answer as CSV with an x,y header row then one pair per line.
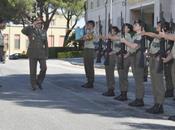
x,y
171,118
109,93
169,93
156,109
87,85
137,103
39,85
122,96
150,109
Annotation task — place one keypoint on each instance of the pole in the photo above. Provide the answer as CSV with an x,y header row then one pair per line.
x,y
111,11
106,2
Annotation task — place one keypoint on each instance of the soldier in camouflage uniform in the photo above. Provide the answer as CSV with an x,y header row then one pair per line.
x,y
158,88
170,56
167,73
123,74
89,53
37,51
138,71
114,58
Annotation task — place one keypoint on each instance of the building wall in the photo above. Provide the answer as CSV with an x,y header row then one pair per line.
x,y
56,31
131,11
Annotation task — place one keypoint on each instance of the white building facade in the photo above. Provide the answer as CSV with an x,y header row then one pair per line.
x,y
130,10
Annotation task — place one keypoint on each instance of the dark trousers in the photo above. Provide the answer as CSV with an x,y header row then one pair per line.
x,y
33,70
1,53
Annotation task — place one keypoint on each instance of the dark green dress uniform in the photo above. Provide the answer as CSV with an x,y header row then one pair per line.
x,y
157,80
37,52
2,58
138,72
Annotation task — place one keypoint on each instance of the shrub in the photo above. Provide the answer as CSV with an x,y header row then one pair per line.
x,y
69,54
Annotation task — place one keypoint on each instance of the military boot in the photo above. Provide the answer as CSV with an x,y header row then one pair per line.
x,y
122,96
156,109
169,93
137,103
150,109
88,85
171,118
109,93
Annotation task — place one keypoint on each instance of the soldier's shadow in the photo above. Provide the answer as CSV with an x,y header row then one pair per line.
x,y
64,91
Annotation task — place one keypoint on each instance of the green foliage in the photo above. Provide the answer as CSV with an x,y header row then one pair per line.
x,y
22,11
75,6
69,54
72,10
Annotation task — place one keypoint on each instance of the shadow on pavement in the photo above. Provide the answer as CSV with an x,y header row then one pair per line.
x,y
63,91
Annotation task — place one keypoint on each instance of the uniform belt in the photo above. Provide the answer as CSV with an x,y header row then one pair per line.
x,y
154,55
120,52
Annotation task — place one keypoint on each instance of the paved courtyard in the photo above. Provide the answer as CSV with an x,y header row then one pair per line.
x,y
64,105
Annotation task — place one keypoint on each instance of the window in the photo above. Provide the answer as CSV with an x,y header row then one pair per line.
x,y
61,40
17,41
52,23
51,41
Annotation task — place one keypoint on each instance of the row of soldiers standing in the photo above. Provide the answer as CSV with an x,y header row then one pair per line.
x,y
160,50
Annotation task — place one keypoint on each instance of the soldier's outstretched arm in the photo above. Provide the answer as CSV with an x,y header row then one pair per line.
x,y
129,44
150,34
113,37
167,36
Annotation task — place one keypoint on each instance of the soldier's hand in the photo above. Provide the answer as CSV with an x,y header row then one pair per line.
x,y
143,33
165,60
162,34
123,40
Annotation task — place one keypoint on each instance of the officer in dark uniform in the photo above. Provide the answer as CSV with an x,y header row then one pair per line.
x,y
37,51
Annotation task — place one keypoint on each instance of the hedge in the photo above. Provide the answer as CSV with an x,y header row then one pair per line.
x,y
69,54
53,51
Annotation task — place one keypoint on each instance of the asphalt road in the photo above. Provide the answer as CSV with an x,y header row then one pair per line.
x,y
64,105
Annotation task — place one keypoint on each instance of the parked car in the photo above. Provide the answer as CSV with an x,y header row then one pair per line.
x,y
16,56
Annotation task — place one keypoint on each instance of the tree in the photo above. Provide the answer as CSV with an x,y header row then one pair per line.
x,y
23,11
6,10
48,8
72,10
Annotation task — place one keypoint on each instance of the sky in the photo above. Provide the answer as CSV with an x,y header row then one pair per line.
x,y
81,23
